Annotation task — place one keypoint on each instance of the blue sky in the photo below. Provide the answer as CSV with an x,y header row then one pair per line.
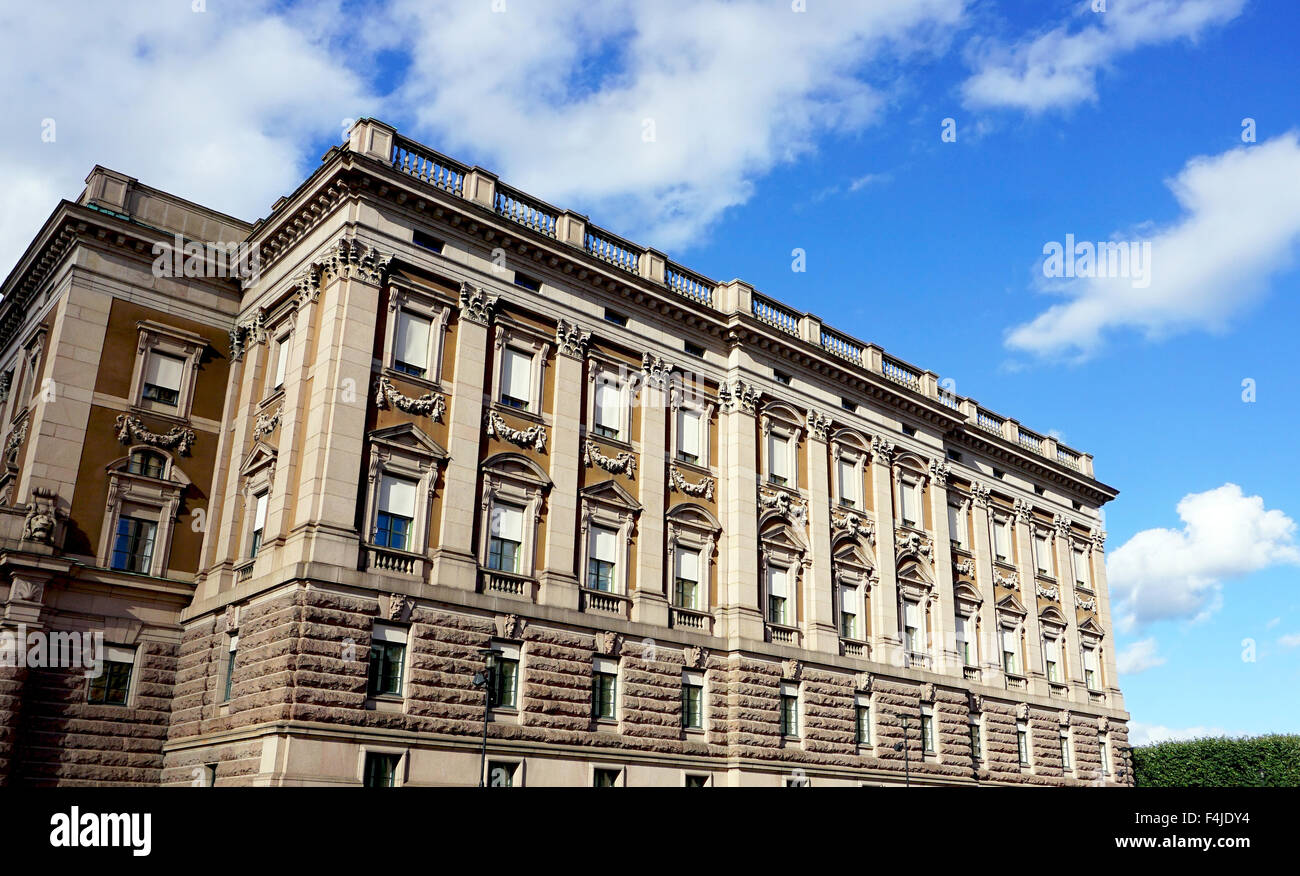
x,y
776,129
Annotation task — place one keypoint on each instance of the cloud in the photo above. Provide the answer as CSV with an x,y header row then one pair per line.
x,y
214,106
1168,574
654,117
1290,640
1139,657
1274,622
1140,733
1240,225
869,179
1059,68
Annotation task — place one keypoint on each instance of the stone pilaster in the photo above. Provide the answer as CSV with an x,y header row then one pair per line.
x,y
981,540
558,577
1097,558
650,602
1028,595
1065,589
886,644
945,615
823,634
741,614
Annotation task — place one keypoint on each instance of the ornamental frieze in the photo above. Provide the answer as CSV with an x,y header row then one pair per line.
x,y
677,481
431,404
533,436
177,438
623,464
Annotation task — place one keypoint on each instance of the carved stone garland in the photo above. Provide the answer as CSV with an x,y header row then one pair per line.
x,y
178,438
623,464
855,526
533,436
784,504
703,489
431,404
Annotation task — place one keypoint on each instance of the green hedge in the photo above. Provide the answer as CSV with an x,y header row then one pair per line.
x,y
1219,762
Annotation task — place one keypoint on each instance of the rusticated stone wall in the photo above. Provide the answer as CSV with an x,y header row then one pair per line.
x,y
12,681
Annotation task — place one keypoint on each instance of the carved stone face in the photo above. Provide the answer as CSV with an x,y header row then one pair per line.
x,y
40,527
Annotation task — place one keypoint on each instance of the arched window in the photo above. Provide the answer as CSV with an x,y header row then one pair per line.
x,y
147,463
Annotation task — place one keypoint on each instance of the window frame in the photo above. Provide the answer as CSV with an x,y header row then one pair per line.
x,y
789,711
407,453
606,670
533,346
188,347
426,306
392,635
694,679
157,500
682,403
845,455
778,426
603,372
118,655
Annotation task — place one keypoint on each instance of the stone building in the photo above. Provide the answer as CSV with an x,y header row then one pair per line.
x,y
447,444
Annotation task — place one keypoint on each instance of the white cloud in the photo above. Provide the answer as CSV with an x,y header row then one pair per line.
x,y
1290,640
1168,574
1274,622
1139,657
1059,68
1240,225
214,106
1140,733
557,97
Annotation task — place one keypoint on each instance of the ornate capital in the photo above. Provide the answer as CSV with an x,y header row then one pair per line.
x,y
623,464
475,304
1062,524
533,436
737,395
940,472
570,339
1024,510
702,489
819,425
129,428
1099,538
656,371
353,259
981,493
882,450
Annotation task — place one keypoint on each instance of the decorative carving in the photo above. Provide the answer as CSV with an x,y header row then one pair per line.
x,y
927,692
623,464
737,395
27,589
656,371
853,525
475,304
178,438
1089,604
703,489
608,642
1047,592
789,507
1099,538
16,439
570,339
5,380
696,657
981,493
243,335
42,513
940,472
431,404
882,450
864,682
353,259
399,606
1022,712
791,669
819,425
266,424
1062,524
1024,511
232,619
1103,724
1064,718
1012,580
965,567
533,436
908,542
976,703
510,626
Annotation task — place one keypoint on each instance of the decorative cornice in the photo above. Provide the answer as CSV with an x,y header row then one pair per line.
x,y
265,425
431,404
570,339
129,428
793,509
676,481
737,395
623,464
475,304
533,436
819,425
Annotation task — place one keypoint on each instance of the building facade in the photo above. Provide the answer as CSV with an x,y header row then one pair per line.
x,y
450,464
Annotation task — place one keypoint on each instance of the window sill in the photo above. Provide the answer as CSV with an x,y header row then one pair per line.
x,y
423,382
518,413
385,703
593,435
693,467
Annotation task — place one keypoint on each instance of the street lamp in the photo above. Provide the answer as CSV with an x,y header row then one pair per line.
x,y
904,747
1126,764
483,678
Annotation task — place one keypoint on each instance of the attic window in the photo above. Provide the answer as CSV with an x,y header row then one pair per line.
x,y
426,240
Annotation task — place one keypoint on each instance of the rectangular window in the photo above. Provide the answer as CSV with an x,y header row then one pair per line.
x,y
411,346
230,668
381,769
397,498
957,526
849,612
1081,567
696,780
1104,743
133,545
1022,744
927,730
789,717
911,503
686,589
693,701
162,378
1091,675
113,684
615,317
601,564
976,741
387,659
689,432
501,774
609,409
778,459
862,724
1043,554
507,536
505,680
965,639
911,626
1002,539
1010,653
281,361
259,523
778,593
1066,761
605,778
850,494
1051,658
516,379
604,685
426,240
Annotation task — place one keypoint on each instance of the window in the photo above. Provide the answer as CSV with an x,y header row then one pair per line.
x,y
911,626
1052,657
690,435
686,589
133,544
505,677
927,729
1103,741
281,361
849,612
381,770
976,739
231,650
602,777
516,378
615,317
1002,539
862,724
909,431
603,560
387,659
162,379
848,406
957,526
506,539
693,701
604,689
693,349
850,483
112,687
1066,760
695,780
1010,652
501,773
781,377
778,459
910,502
1043,554
1022,743
789,715
147,463
1081,567
778,594
1091,674
954,455
609,409
966,639
426,240
412,347
259,523
532,284
393,524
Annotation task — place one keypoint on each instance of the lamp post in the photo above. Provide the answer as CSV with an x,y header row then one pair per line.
x,y
1126,765
903,747
483,678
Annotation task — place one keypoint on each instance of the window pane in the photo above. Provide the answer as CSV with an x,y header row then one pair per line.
x,y
689,433
848,482
163,371
779,457
397,496
133,545
609,401
508,522
412,346
778,582
259,512
281,361
688,564
516,376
